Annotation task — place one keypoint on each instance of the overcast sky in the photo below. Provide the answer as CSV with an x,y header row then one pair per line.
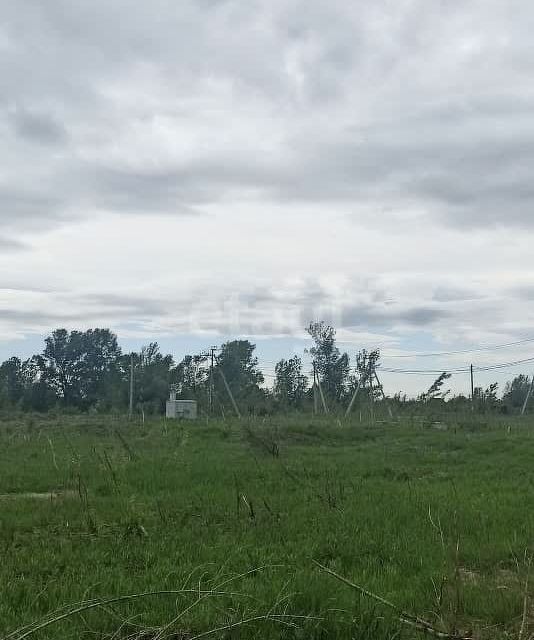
x,y
197,170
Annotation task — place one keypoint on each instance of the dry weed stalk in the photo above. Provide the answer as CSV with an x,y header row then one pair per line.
x,y
82,607
404,617
160,633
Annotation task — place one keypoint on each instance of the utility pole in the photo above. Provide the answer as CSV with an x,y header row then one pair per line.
x,y
130,411
472,389
367,374
230,394
381,389
210,355
529,393
317,386
361,381
372,395
323,401
314,389
211,391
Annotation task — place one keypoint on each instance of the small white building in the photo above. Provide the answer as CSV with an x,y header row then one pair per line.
x,y
186,409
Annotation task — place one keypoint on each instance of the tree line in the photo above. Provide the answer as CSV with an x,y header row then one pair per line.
x,y
88,371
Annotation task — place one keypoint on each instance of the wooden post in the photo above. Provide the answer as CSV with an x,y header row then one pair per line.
x,y
211,392
130,410
315,399
472,389
529,393
325,408
372,395
383,395
227,386
353,399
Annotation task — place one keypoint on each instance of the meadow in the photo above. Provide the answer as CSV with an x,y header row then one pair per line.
x,y
234,529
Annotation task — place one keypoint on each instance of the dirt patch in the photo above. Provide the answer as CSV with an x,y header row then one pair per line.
x,y
47,495
468,576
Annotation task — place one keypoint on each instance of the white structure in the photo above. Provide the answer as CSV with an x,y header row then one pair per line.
x,y
186,409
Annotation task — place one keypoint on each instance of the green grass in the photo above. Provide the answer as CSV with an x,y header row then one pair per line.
x,y
438,522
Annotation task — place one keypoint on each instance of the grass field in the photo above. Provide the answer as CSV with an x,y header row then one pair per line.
x,y
224,521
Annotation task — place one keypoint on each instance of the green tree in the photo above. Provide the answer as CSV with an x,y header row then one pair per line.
x,y
486,399
190,377
22,385
37,394
100,366
61,364
435,391
11,382
491,392
238,364
152,378
332,367
516,391
366,364
81,367
290,384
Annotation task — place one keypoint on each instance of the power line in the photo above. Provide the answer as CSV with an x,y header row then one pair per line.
x,y
437,354
493,367
505,365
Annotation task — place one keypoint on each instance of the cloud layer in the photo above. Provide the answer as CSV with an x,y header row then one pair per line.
x,y
223,165
423,106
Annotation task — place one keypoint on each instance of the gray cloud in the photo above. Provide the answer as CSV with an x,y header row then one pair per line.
x,y
133,191
521,292
37,127
8,244
79,310
393,316
455,294
290,309
345,102
403,118
19,203
35,318
126,305
12,285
